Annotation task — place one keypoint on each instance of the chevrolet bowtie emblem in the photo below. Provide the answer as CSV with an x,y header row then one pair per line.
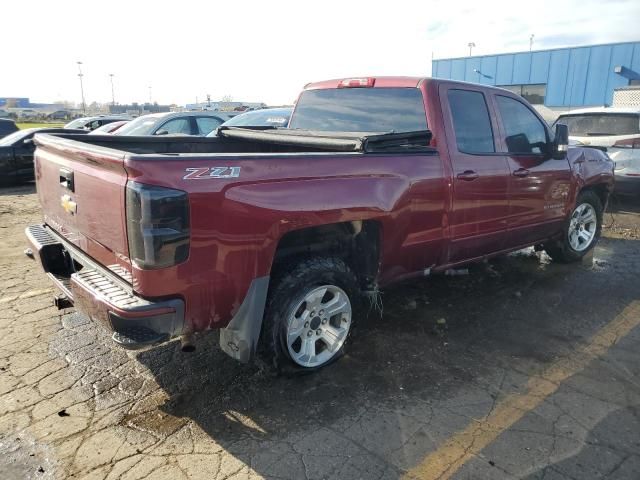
x,y
69,205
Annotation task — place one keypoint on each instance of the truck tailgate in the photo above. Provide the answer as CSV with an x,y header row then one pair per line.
x,y
82,194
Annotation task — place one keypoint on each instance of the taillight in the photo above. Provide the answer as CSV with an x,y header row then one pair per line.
x,y
157,225
357,82
628,143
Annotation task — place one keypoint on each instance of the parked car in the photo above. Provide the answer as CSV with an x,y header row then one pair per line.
x,y
617,130
4,114
7,127
28,114
60,115
276,236
266,117
16,154
91,123
175,123
109,128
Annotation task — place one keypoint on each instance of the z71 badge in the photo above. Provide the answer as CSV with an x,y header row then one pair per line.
x,y
204,173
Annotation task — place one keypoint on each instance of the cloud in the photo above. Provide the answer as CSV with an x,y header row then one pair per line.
x,y
267,51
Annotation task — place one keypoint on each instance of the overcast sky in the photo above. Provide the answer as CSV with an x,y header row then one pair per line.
x,y
267,50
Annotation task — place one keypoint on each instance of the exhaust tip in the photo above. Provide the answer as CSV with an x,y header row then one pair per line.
x,y
186,343
62,301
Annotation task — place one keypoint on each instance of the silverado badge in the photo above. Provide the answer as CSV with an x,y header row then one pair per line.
x,y
69,205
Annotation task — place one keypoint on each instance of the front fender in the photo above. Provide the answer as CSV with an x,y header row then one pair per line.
x,y
590,167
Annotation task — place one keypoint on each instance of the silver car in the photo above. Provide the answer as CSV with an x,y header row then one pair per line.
x,y
615,129
175,123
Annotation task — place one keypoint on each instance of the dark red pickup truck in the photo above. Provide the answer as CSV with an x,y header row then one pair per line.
x,y
275,235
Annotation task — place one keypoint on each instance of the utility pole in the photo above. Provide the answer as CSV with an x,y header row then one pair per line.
x,y
470,45
113,97
531,41
150,102
80,75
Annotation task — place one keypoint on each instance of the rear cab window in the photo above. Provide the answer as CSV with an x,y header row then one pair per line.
x,y
375,110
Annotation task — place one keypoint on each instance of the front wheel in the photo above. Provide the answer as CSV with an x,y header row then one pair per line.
x,y
310,314
581,230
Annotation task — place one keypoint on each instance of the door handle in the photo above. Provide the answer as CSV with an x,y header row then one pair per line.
x,y
467,175
66,179
521,172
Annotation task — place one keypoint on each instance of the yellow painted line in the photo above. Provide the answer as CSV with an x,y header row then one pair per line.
x,y
449,457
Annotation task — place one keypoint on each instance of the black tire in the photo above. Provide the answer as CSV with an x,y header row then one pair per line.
x,y
286,292
561,250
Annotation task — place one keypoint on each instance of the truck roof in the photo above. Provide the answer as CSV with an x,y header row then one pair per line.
x,y
379,82
397,82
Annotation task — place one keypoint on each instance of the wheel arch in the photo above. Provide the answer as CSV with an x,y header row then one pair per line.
x,y
357,242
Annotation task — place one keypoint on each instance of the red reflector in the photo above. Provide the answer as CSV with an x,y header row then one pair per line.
x,y
356,82
628,143
633,174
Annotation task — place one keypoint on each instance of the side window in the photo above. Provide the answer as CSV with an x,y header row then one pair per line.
x,y
207,124
524,133
177,125
471,121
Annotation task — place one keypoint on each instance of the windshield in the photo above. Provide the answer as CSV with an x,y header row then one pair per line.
x,y
603,124
139,126
16,136
261,118
360,110
77,123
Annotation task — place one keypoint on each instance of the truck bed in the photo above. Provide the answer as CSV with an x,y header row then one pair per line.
x,y
240,140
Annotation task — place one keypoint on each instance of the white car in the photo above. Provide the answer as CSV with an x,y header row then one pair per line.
x,y
616,129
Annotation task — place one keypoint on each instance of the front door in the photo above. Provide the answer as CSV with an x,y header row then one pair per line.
x,y
480,202
538,184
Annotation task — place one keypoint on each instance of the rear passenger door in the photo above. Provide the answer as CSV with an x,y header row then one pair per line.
x,y
480,200
538,184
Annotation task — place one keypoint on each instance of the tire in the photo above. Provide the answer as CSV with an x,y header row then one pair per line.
x,y
573,245
299,334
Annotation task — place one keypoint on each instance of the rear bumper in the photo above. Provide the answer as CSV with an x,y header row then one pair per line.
x,y
96,291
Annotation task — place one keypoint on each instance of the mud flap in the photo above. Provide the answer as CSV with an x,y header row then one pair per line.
x,y
240,338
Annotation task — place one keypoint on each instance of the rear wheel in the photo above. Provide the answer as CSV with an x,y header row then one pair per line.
x,y
310,314
581,231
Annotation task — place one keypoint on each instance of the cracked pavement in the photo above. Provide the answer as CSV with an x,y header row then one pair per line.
x,y
444,355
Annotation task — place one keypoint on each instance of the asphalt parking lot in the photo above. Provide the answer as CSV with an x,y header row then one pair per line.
x,y
520,369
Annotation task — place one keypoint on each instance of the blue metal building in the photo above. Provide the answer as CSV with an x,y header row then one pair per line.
x,y
559,78
14,102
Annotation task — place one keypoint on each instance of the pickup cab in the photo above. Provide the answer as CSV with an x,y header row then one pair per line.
x,y
275,236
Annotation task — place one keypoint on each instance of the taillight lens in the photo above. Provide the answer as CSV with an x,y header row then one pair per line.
x,y
628,143
157,225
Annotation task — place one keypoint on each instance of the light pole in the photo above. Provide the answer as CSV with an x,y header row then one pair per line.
x,y
150,95
113,97
80,75
470,45
531,41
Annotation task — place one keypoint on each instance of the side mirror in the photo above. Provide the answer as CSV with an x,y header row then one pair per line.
x,y
560,142
162,132
27,142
